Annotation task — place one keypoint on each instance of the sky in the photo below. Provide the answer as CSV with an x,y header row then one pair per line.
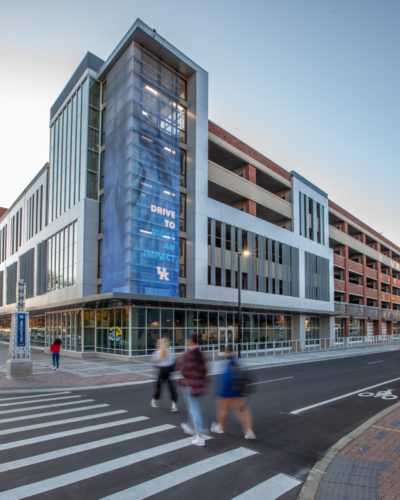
x,y
311,84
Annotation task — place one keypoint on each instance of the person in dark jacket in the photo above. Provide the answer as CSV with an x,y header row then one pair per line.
x,y
193,368
230,398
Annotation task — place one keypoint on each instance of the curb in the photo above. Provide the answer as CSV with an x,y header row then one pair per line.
x,y
311,485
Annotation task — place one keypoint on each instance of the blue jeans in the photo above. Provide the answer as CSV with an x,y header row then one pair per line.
x,y
194,411
56,358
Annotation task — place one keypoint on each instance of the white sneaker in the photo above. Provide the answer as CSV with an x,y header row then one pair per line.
x,y
154,403
250,435
187,429
215,428
174,408
199,441
54,368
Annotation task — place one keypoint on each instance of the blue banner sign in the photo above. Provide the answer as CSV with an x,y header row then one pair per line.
x,y
144,127
21,326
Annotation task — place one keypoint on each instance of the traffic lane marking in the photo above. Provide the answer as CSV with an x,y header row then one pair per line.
x,y
321,403
268,381
374,362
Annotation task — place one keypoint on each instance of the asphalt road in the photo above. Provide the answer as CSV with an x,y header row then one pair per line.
x,y
294,420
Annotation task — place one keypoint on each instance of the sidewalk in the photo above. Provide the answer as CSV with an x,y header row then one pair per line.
x,y
100,372
363,465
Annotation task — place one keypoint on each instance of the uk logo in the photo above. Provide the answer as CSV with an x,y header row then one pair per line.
x,y
162,273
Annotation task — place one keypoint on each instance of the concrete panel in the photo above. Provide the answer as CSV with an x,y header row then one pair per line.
x,y
247,189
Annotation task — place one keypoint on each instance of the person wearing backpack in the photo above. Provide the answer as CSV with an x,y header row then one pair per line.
x,y
231,396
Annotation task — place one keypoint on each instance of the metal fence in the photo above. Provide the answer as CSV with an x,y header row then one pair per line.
x,y
276,348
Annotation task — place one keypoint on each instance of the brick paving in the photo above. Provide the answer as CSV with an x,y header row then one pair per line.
x,y
74,372
367,467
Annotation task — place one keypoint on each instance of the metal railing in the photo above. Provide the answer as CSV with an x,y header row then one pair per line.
x,y
366,312
276,348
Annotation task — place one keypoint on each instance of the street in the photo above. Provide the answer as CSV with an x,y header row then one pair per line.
x,y
95,444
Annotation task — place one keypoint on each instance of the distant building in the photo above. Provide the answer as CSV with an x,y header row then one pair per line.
x,y
135,227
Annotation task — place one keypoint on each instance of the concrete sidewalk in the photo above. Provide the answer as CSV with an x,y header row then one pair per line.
x,y
100,372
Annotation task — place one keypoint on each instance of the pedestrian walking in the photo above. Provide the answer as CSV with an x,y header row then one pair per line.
x,y
165,361
231,396
193,368
55,353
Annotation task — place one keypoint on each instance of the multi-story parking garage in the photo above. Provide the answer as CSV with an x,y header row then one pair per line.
x,y
148,220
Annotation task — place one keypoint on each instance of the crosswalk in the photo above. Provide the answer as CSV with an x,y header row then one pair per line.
x,y
61,445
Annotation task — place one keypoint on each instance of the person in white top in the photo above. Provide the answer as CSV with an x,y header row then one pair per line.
x,y
164,359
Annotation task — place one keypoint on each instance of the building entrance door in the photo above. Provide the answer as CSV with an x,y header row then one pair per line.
x,y
225,338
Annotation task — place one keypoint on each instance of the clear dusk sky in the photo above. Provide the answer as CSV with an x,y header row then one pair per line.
x,y
312,84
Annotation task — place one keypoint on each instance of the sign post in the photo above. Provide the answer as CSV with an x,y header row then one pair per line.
x,y
19,363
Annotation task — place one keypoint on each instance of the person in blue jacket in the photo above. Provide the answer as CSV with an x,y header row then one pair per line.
x,y
231,396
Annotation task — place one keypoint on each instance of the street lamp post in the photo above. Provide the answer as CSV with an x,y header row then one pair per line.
x,y
244,253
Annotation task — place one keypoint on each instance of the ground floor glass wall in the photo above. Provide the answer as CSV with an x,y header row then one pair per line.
x,y
312,330
67,326
213,327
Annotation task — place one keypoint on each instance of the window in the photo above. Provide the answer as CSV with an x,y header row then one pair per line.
x,y
62,258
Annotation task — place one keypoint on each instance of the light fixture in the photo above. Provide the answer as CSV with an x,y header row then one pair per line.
x,y
150,89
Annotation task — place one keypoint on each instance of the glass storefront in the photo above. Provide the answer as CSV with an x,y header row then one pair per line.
x,y
67,326
339,329
149,324
112,331
355,328
312,330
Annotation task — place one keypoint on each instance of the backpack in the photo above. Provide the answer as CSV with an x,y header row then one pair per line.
x,y
242,380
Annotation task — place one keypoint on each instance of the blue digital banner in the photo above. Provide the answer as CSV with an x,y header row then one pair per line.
x,y
21,325
155,222
142,178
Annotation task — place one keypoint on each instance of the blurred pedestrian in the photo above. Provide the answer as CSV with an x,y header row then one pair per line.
x,y
231,396
192,365
165,361
55,353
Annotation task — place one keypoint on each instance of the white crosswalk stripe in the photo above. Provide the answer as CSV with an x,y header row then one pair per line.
x,y
34,396
43,425
14,403
179,476
41,407
94,470
82,447
271,489
100,457
52,413
72,432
